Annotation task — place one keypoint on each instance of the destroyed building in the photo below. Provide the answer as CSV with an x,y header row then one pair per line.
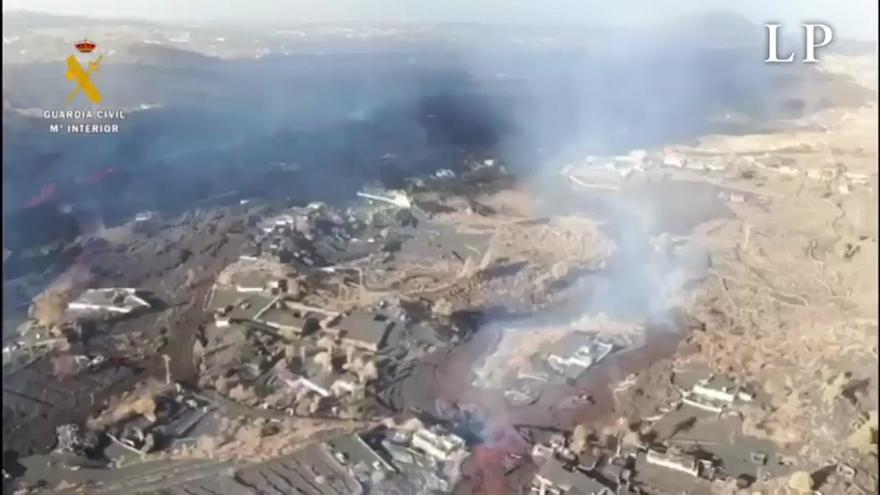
x,y
575,353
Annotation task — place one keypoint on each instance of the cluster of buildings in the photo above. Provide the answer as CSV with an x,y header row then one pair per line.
x,y
595,170
697,441
700,437
329,356
561,471
429,458
299,352
308,353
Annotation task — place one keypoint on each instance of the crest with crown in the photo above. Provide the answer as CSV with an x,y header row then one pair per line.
x,y
85,46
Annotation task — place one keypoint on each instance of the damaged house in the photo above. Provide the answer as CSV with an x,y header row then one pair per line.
x,y
574,354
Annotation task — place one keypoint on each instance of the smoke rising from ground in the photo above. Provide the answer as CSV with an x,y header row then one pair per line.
x,y
627,92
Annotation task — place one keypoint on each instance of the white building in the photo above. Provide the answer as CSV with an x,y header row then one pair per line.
x,y
112,300
442,446
681,463
574,354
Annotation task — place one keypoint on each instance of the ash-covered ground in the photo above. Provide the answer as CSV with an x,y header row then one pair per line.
x,y
695,313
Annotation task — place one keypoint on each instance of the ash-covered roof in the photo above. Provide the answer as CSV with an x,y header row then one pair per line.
x,y
366,327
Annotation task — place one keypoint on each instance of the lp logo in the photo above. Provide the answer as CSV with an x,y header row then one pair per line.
x,y
810,43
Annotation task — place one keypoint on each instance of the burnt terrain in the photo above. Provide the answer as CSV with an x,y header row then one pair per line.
x,y
339,254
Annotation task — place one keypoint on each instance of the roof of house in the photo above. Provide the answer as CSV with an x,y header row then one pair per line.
x,y
244,306
280,318
355,451
222,297
554,471
113,299
252,280
318,375
569,345
369,328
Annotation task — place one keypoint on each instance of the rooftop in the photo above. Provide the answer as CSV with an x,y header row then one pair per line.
x,y
575,352
554,473
366,327
253,281
282,319
242,307
113,300
351,450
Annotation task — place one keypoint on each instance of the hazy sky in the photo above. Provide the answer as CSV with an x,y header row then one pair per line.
x,y
850,18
